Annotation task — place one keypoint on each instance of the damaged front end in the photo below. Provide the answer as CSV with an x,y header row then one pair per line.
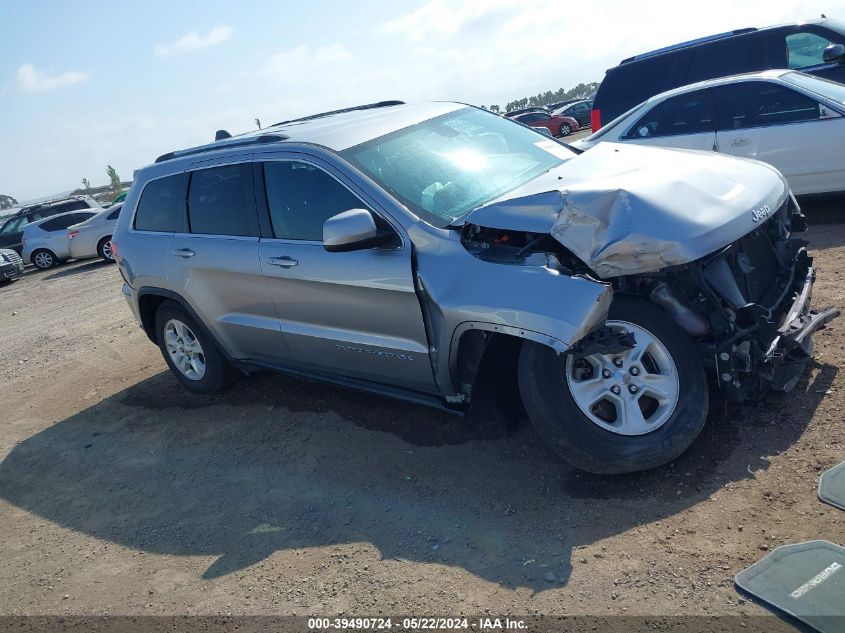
x,y
747,306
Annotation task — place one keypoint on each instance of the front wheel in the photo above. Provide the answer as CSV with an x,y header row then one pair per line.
x,y
565,130
618,413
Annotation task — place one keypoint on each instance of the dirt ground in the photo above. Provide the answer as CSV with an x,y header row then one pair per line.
x,y
120,493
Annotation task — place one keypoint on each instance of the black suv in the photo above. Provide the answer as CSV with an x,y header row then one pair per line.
x,y
816,47
12,228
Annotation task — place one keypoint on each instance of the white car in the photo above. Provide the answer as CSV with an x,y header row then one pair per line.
x,y
793,121
45,242
92,238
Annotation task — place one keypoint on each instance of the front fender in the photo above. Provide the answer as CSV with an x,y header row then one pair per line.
x,y
460,292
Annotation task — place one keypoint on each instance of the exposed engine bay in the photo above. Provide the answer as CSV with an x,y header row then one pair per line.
x,y
746,306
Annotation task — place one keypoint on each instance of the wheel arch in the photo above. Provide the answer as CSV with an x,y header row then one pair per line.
x,y
473,341
149,300
486,370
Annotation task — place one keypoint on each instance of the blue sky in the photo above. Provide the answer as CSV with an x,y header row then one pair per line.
x,y
91,83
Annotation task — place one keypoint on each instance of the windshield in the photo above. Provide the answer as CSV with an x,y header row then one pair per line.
x,y
447,166
823,87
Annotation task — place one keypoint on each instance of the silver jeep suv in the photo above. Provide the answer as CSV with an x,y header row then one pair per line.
x,y
443,254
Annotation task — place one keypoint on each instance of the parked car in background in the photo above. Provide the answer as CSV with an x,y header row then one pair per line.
x,y
578,110
793,121
12,229
559,104
512,113
611,289
45,242
92,238
117,199
557,125
816,47
11,265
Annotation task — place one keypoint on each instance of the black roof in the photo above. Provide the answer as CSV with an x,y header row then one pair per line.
x,y
711,38
41,205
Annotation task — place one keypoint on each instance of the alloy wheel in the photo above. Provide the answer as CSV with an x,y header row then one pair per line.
x,y
184,349
43,260
632,393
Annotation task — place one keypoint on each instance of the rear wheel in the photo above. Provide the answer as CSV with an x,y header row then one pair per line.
x,y
104,249
565,130
189,352
619,413
44,259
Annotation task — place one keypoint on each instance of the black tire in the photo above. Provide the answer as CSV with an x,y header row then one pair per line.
x,y
219,372
104,249
585,444
565,130
44,259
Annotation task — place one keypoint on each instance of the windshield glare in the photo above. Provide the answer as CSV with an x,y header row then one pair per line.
x,y
830,89
447,166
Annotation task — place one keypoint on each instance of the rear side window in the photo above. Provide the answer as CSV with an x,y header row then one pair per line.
x,y
64,207
686,114
221,201
302,197
630,84
759,103
62,222
532,117
162,205
729,57
115,214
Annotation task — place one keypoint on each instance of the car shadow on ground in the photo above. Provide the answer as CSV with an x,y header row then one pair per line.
x,y
79,267
278,463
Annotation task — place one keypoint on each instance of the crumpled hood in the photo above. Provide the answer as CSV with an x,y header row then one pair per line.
x,y
627,209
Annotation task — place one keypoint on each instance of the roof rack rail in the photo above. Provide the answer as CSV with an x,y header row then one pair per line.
x,y
367,106
225,144
700,40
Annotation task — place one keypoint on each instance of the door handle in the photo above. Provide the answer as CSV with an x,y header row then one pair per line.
x,y
740,142
284,261
183,252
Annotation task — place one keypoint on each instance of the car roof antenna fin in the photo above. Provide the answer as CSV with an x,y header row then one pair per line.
x,y
221,134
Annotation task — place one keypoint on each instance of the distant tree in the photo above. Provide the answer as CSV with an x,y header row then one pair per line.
x,y
495,108
114,180
86,185
581,91
7,202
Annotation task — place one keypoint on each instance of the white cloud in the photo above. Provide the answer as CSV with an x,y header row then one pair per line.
x,y
442,18
303,58
30,79
193,41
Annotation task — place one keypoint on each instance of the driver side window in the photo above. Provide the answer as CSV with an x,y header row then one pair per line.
x,y
302,197
14,226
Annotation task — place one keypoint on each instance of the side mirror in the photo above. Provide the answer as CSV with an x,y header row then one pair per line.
x,y
351,231
545,130
834,53
643,132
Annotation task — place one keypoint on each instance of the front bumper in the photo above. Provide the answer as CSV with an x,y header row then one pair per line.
x,y
792,347
9,270
774,353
